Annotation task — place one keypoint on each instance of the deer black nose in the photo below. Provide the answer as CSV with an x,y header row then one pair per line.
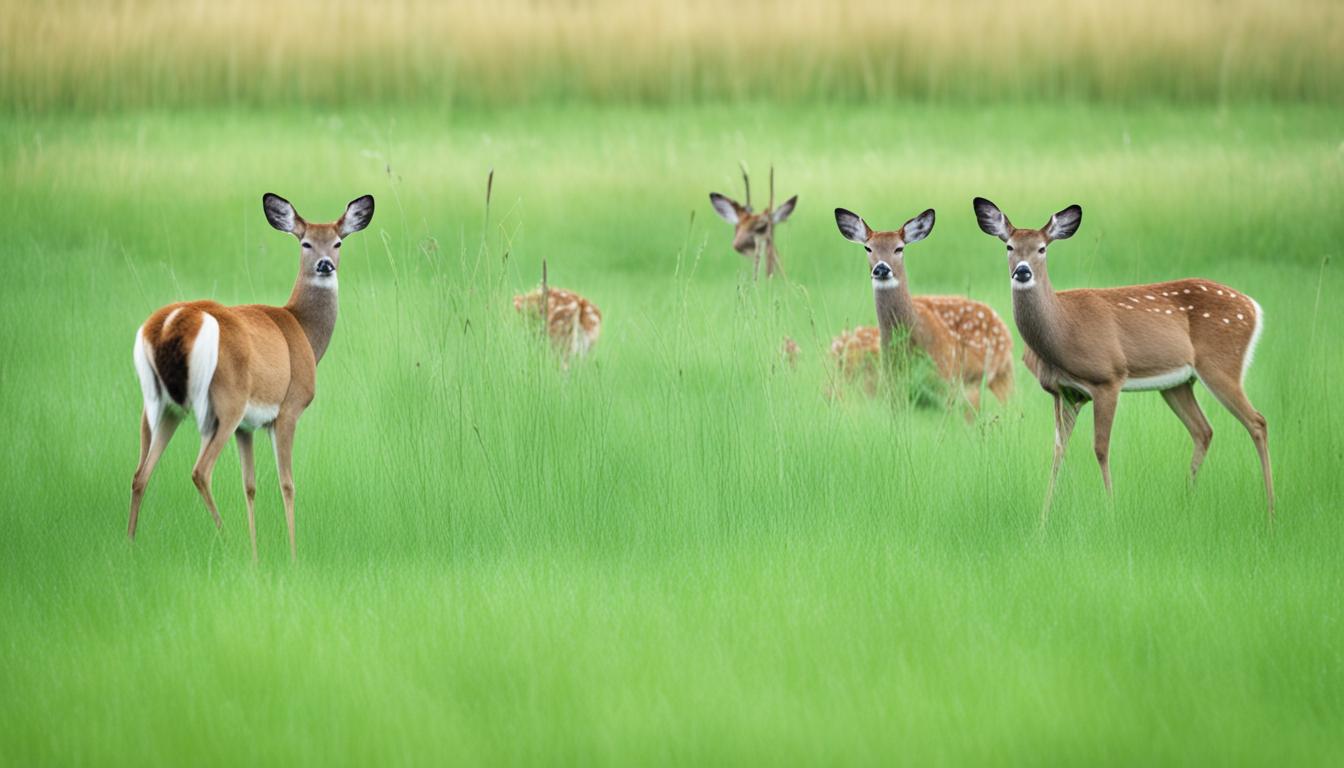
x,y
1023,273
881,271
325,266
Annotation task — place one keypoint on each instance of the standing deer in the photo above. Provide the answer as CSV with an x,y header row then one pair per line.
x,y
239,368
966,340
1094,343
754,233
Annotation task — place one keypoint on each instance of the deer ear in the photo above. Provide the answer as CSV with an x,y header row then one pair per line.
x,y
785,210
852,226
918,228
727,208
992,221
1063,224
357,216
281,214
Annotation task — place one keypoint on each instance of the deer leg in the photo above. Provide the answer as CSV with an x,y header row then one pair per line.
x,y
1103,413
1066,414
211,445
1229,392
1002,385
245,458
149,456
1182,401
972,401
282,439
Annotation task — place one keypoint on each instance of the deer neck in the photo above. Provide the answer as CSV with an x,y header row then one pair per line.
x,y
313,303
895,310
1038,314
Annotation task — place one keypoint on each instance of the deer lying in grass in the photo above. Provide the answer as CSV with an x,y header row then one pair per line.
x,y
573,323
239,368
754,233
1091,344
967,342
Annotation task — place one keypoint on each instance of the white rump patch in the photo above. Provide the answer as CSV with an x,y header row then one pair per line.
x,y
1161,381
144,370
168,321
201,369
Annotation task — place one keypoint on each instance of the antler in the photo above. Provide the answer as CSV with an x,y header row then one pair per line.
x,y
772,188
746,182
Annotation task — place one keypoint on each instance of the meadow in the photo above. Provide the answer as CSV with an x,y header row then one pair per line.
x,y
679,551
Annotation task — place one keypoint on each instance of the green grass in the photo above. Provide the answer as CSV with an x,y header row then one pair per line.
x,y
680,551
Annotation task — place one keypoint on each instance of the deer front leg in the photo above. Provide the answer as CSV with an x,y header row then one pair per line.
x,y
1066,415
282,437
246,459
1104,400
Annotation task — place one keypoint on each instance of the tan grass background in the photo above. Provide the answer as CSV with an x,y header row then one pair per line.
x,y
94,54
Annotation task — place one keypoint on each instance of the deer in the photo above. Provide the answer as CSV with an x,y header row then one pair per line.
x,y
237,369
1091,344
968,343
572,323
754,233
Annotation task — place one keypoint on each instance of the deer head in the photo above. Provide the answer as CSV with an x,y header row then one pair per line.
x,y
886,250
320,244
1027,247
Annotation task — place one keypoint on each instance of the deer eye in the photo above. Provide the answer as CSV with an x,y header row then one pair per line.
x,y
866,248
1042,250
900,249
307,245
1010,248
337,245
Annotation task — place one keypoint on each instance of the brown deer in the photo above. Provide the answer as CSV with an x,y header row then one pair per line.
x,y
239,368
573,323
1094,343
754,233
966,340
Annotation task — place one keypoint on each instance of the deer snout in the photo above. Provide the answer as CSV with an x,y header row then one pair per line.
x,y
882,271
325,266
1022,273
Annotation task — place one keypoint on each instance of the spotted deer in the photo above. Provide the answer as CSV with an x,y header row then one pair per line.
x,y
573,323
236,369
966,340
754,233
1091,344
856,354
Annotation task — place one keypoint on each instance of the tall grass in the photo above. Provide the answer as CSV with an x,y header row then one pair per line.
x,y
680,551
100,54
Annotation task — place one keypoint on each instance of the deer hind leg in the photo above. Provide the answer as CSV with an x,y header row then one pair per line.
x,y
246,459
226,423
1002,385
1104,401
1182,401
1066,415
972,391
152,443
1228,390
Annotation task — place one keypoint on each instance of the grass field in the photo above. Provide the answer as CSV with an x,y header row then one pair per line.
x,y
679,551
